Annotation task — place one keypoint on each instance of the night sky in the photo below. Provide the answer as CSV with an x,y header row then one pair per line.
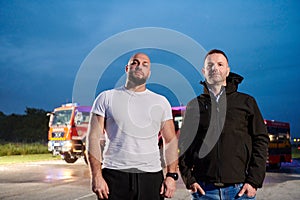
x,y
45,45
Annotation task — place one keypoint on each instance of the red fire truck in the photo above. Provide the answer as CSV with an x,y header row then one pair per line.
x,y
178,113
280,147
67,131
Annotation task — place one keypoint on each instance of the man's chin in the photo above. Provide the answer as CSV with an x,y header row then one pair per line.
x,y
215,81
138,81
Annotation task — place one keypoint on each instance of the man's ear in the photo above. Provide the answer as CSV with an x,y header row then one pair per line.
x,y
228,71
149,75
202,70
126,68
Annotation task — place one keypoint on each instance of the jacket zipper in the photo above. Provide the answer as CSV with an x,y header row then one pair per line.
x,y
218,143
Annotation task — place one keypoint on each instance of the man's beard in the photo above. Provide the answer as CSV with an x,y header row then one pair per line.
x,y
136,80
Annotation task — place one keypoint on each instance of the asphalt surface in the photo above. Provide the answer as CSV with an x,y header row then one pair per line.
x,y
59,180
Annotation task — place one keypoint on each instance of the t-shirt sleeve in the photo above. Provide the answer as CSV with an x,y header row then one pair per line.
x,y
99,107
167,110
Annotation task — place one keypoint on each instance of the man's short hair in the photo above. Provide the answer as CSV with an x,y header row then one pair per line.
x,y
216,51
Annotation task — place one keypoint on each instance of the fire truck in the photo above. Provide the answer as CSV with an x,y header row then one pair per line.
x,y
68,126
177,113
280,147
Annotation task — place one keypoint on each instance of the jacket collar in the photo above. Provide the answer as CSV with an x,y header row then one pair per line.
x,y
232,82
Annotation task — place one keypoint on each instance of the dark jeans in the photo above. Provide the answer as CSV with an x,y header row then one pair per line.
x,y
133,186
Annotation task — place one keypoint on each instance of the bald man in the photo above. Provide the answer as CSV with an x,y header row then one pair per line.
x,y
131,117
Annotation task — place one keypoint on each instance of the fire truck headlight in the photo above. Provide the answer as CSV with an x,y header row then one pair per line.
x,y
67,146
50,145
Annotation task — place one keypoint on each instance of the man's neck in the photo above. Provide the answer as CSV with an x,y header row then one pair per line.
x,y
133,87
215,88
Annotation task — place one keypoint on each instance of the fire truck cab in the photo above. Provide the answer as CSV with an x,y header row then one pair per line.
x,y
68,126
280,148
177,113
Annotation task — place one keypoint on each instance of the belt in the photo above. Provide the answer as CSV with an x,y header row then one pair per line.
x,y
218,184
222,184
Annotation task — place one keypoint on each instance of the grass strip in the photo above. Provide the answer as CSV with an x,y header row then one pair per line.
x,y
295,153
9,149
27,158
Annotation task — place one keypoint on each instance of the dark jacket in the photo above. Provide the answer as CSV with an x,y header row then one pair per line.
x,y
224,141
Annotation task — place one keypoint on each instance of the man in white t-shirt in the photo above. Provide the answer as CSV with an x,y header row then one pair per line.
x,y
131,117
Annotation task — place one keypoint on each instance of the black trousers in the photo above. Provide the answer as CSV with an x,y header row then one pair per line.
x,y
133,186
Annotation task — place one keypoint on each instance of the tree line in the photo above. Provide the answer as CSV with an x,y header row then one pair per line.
x,y
30,127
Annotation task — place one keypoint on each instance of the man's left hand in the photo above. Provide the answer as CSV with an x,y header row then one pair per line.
x,y
168,187
248,190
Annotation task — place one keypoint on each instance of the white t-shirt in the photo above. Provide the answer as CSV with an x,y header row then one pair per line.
x,y
133,121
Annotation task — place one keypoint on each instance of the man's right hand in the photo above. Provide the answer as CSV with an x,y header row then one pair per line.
x,y
195,187
100,188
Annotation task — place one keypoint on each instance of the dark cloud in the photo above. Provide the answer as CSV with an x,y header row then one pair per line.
x,y
43,43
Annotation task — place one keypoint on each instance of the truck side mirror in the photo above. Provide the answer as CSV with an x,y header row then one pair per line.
x,y
78,117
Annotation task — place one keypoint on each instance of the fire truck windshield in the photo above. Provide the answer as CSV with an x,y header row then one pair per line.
x,y
278,134
62,117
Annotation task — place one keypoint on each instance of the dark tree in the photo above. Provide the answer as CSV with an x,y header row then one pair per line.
x,y
31,127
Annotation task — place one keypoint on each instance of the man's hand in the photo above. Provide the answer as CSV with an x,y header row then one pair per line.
x,y
247,189
168,187
100,188
195,187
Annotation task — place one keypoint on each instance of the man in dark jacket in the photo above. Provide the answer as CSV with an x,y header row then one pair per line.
x,y
223,139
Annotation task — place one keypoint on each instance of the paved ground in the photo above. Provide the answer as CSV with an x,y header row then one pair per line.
x,y
283,184
289,190
60,181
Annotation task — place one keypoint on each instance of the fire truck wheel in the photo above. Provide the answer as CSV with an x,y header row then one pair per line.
x,y
69,159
